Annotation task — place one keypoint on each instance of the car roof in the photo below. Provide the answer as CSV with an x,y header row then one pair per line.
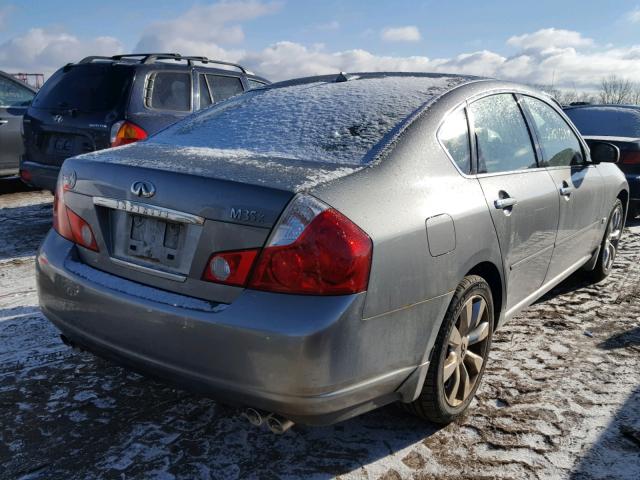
x,y
10,77
601,105
359,76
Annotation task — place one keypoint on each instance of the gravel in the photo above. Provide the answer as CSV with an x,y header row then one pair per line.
x,y
555,402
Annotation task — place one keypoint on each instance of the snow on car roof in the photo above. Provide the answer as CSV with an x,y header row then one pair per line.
x,y
317,121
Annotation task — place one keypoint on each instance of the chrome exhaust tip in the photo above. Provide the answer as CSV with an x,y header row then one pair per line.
x,y
278,424
254,416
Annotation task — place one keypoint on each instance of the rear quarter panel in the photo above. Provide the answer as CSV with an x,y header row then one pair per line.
x,y
392,200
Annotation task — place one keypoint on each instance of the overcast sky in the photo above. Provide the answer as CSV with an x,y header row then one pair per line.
x,y
569,43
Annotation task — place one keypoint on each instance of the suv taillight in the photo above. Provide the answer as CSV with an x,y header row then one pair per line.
x,y
69,224
125,132
630,158
314,250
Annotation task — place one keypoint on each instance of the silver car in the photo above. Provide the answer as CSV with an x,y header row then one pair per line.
x,y
321,247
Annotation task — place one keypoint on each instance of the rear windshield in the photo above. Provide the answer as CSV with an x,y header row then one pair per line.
x,y
87,88
335,123
606,121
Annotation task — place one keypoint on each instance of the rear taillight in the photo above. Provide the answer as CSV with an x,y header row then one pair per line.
x,y
125,132
230,268
25,175
630,158
69,224
314,250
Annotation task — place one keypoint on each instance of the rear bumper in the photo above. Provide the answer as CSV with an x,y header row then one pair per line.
x,y
42,176
311,359
634,186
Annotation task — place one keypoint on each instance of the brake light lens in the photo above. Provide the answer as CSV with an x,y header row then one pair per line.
x,y
230,268
69,224
630,158
315,250
125,132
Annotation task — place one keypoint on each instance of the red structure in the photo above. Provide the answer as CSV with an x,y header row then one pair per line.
x,y
34,79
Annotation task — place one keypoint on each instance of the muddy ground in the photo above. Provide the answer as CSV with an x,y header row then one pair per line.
x,y
561,398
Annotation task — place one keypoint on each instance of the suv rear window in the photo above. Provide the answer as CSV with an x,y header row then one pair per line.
x,y
606,121
170,91
87,88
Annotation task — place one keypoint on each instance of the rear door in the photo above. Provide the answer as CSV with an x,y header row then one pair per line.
x,y
578,183
521,196
14,101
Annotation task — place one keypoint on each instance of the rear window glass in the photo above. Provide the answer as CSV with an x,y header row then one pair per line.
x,y
87,88
224,87
170,91
606,121
328,122
454,135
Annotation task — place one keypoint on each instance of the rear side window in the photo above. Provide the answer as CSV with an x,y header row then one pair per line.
x,y
559,144
13,94
454,136
205,96
87,87
170,91
501,135
223,87
255,83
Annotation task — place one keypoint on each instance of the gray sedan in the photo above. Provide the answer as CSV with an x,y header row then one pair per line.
x,y
321,247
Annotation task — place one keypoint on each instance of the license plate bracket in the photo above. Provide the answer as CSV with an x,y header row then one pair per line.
x,y
154,239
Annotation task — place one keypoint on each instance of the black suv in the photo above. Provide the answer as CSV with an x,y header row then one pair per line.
x,y
103,102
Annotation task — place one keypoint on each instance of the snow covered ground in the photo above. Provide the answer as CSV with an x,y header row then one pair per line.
x,y
561,398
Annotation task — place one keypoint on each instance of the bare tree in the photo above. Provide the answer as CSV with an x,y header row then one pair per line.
x,y
635,94
615,90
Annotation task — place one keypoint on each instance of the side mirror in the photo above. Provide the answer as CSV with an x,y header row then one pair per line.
x,y
604,152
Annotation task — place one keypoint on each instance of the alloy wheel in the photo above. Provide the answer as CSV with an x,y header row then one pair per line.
x,y
614,232
466,351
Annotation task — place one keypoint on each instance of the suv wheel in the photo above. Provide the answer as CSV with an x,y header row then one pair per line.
x,y
460,354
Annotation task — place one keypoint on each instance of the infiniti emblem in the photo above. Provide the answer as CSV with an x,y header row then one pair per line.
x,y
143,189
57,118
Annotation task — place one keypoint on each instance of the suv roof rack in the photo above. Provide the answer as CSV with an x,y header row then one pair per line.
x,y
146,58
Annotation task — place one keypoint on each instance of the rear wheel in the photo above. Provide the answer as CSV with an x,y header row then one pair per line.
x,y
610,241
460,354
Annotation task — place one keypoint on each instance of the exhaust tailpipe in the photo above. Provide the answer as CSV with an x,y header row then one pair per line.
x,y
254,416
278,424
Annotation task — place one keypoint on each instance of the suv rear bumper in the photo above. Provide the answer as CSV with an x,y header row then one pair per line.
x,y
42,176
311,359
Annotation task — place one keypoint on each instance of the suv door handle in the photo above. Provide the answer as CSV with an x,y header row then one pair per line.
x,y
503,203
565,191
3,122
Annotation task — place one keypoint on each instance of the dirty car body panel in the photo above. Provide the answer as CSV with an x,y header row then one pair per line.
x,y
313,358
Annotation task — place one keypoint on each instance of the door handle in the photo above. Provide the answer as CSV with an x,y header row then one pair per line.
x,y
3,122
503,203
566,191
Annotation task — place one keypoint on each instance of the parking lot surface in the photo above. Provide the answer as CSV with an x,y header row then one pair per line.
x,y
560,399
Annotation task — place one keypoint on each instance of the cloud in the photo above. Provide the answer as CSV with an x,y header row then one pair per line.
x,y
4,15
549,38
203,28
548,56
410,33
328,26
44,51
633,16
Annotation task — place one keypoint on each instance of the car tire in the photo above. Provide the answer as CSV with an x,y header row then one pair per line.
x,y
609,245
455,369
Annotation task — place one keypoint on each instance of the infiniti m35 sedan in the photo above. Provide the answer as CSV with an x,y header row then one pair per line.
x,y
320,247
